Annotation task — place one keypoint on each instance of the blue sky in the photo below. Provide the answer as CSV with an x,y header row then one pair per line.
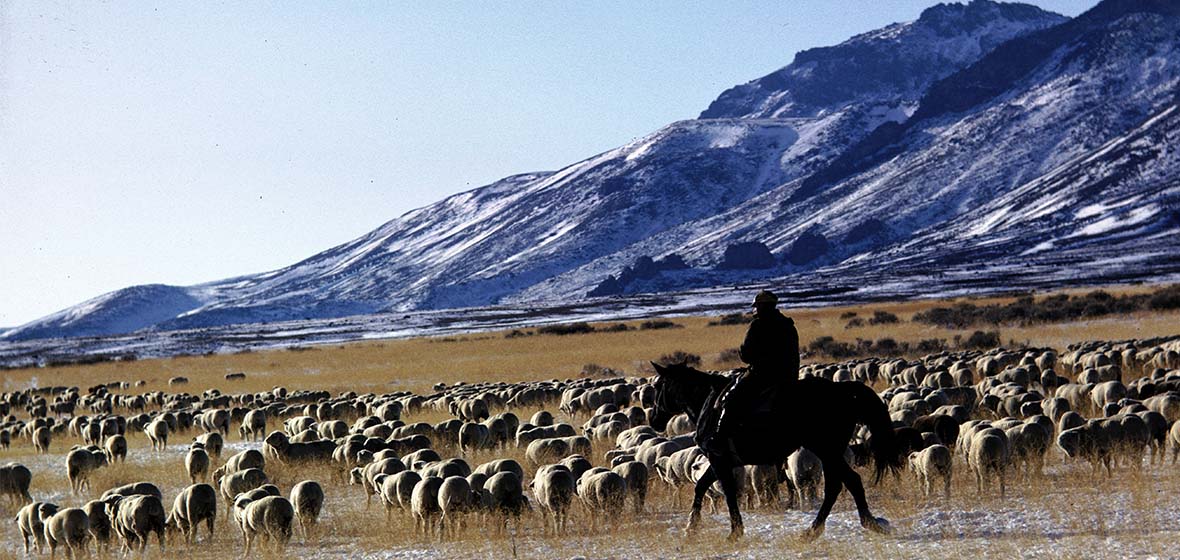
x,y
179,143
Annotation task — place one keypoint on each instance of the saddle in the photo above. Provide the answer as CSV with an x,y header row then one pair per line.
x,y
756,408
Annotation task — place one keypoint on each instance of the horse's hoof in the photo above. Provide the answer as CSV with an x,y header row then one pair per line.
x,y
736,534
812,533
877,525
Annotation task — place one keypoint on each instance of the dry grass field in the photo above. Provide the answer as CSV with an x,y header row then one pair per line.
x,y
1068,513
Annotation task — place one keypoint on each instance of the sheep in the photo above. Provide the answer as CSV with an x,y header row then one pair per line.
x,y
253,425
554,488
286,451
135,517
41,439
397,490
69,527
216,421
80,463
308,499
1157,428
191,506
14,483
804,472
500,465
474,436
1093,441
29,522
424,504
196,463
1029,443
636,475
212,442
272,518
680,425
676,469
100,523
443,469
526,436
116,448
157,433
248,459
134,488
547,450
366,476
577,465
455,499
989,454
238,482
1174,438
541,418
504,494
602,493
934,461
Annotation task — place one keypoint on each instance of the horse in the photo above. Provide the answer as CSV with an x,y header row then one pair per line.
x,y
813,413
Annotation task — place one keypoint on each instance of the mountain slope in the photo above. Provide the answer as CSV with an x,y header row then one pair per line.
x,y
994,135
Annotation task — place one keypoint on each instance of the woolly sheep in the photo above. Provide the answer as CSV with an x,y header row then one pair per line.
x,y
271,518
41,439
100,523
988,454
1029,443
80,463
213,443
554,488
134,488
135,517
238,482
500,465
157,433
934,461
474,436
14,483
635,474
116,448
253,425
287,451
308,499
397,490
504,494
602,493
29,522
804,471
455,500
424,504
196,463
248,459
191,506
69,527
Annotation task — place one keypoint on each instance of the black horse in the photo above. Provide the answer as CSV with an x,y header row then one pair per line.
x,y
814,413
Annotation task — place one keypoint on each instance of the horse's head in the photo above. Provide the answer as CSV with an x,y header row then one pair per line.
x,y
668,385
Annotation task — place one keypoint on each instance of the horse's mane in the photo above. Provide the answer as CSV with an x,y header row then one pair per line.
x,y
695,376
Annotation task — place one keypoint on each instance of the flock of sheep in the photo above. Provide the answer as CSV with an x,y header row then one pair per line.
x,y
1000,412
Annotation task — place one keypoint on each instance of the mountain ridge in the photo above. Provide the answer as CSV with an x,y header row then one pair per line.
x,y
869,180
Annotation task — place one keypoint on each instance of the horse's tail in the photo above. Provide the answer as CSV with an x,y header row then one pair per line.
x,y
871,411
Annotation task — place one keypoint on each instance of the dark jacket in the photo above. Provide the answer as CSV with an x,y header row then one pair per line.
x,y
772,346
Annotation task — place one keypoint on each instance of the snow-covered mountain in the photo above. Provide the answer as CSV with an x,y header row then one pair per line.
x,y
980,136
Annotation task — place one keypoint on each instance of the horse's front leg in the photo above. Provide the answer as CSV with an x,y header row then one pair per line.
x,y
729,484
698,499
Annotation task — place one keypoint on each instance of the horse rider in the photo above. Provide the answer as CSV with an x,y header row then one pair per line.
x,y
771,349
